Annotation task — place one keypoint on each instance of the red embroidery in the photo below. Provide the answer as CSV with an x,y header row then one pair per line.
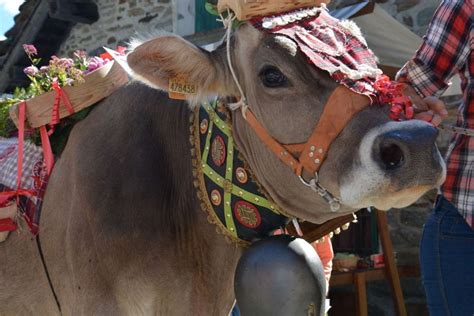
x,y
247,214
218,151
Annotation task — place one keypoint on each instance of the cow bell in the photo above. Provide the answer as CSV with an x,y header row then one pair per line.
x,y
280,275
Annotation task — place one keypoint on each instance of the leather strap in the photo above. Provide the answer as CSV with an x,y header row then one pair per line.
x,y
341,107
271,143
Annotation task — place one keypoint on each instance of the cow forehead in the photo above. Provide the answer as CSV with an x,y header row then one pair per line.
x,y
250,40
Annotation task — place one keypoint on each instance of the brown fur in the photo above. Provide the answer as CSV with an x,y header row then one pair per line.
x,y
122,230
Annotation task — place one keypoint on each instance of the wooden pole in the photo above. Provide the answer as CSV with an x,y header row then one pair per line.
x,y
361,294
390,264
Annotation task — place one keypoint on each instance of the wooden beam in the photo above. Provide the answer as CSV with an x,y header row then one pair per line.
x,y
27,35
83,11
361,294
373,274
390,264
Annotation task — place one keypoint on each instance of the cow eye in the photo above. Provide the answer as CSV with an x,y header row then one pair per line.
x,y
272,77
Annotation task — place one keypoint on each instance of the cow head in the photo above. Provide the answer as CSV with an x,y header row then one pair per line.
x,y
373,162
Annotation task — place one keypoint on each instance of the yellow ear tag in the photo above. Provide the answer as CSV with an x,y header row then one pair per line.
x,y
179,88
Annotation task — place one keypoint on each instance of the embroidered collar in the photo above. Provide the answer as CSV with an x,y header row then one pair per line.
x,y
228,191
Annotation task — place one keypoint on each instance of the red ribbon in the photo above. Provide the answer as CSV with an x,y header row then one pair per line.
x,y
7,225
47,151
391,92
5,196
60,95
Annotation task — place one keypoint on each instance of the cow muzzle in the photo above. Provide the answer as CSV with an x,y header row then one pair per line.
x,y
398,163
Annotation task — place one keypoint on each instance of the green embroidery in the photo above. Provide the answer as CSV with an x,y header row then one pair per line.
x,y
234,200
229,222
259,200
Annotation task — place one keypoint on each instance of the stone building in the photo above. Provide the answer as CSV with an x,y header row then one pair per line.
x,y
62,26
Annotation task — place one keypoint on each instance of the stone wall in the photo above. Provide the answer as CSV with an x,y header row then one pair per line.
x,y
119,20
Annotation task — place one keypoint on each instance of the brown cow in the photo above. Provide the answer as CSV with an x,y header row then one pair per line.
x,y
122,229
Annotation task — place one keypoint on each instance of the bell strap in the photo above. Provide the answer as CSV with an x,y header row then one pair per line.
x,y
341,107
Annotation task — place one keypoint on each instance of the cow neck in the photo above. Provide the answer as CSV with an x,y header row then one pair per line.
x,y
229,192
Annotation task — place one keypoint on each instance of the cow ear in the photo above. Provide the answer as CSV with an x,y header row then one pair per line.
x,y
156,61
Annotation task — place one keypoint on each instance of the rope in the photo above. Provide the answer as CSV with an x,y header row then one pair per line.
x,y
456,129
242,103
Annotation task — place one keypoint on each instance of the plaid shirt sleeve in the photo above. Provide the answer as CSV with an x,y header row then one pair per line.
x,y
444,51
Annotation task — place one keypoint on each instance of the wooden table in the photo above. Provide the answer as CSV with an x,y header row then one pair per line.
x,y
389,272
359,278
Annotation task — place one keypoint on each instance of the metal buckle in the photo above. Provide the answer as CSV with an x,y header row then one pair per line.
x,y
314,184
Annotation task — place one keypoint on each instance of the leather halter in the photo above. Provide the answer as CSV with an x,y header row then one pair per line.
x,y
341,107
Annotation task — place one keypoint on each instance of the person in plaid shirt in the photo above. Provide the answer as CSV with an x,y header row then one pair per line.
x,y
447,245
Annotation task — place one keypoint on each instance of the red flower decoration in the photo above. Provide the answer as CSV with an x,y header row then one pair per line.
x,y
391,92
106,56
121,50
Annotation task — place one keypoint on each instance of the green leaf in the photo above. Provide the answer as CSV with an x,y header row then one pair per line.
x,y
211,9
236,24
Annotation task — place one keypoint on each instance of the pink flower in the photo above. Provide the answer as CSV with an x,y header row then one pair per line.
x,y
65,62
30,50
95,63
81,54
44,69
31,70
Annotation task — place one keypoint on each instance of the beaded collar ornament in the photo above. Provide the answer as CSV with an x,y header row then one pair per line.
x,y
234,201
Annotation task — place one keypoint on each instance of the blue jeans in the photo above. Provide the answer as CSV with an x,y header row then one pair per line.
x,y
447,262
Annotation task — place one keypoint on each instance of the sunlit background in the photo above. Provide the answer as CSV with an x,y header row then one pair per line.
x,y
8,9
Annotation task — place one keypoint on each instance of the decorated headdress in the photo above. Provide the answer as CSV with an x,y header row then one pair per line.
x,y
329,44
335,46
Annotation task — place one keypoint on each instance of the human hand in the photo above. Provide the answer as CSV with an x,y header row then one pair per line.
x,y
429,109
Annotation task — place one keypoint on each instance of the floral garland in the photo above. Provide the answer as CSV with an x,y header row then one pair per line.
x,y
58,72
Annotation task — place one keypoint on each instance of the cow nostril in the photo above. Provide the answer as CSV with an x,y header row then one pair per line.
x,y
392,156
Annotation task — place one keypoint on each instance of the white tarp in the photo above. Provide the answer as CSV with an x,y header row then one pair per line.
x,y
391,41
